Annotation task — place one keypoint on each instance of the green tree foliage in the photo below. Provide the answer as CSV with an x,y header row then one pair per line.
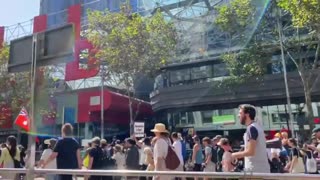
x,y
305,17
13,86
305,13
247,63
234,17
130,44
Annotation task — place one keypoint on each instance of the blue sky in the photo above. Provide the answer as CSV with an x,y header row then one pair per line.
x,y
15,11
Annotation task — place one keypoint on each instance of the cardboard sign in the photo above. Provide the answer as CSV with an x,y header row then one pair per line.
x,y
139,129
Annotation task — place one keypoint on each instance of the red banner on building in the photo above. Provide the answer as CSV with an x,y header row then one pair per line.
x,y
39,23
73,69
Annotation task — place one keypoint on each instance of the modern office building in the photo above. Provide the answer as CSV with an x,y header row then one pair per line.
x,y
187,96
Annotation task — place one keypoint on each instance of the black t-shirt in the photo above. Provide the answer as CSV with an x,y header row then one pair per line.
x,y
295,152
67,153
97,155
132,158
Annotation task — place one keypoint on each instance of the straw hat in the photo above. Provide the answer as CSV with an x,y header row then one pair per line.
x,y
159,128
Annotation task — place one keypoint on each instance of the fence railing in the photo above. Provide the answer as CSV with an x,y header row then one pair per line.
x,y
126,173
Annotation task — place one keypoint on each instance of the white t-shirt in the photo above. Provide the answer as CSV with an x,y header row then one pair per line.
x,y
120,160
45,155
142,158
160,150
178,149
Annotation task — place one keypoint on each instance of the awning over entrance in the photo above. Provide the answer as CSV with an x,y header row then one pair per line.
x,y
116,107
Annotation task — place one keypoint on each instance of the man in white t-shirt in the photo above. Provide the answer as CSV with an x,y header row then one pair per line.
x,y
177,145
255,151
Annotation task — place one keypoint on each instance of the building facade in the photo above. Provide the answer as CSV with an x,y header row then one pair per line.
x,y
187,94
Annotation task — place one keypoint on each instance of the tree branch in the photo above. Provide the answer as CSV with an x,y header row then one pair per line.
x,y
315,61
300,70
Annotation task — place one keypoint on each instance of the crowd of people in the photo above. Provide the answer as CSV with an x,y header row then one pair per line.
x,y
171,151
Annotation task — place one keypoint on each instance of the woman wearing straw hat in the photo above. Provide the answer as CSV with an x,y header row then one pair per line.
x,y
160,149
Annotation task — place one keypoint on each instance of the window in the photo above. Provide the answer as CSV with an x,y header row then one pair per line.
x,y
183,118
207,117
226,112
201,72
190,118
176,118
180,75
220,70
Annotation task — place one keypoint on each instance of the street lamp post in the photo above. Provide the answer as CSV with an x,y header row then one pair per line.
x,y
102,102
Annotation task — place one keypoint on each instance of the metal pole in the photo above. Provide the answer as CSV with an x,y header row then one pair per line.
x,y
102,102
31,140
285,75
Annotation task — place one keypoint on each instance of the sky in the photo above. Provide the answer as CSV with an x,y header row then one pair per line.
x,y
16,11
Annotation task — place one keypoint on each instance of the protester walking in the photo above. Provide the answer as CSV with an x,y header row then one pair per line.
x,y
66,151
255,151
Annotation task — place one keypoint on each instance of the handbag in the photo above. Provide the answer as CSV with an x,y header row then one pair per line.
x,y
172,161
311,164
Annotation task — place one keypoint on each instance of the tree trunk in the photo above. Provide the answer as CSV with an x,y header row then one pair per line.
x,y
309,112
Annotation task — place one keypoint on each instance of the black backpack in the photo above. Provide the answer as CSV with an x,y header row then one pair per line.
x,y
214,154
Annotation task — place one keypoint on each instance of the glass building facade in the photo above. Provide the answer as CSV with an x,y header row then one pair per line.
x,y
57,9
273,117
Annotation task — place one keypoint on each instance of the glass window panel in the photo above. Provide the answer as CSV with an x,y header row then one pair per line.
x,y
207,117
201,72
190,118
180,75
176,118
183,118
226,112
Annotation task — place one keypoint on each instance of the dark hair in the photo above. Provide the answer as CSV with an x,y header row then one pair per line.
x,y
207,140
131,141
248,109
293,141
67,129
224,141
147,141
174,135
12,141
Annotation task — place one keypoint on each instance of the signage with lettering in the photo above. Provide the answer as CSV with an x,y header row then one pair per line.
x,y
139,129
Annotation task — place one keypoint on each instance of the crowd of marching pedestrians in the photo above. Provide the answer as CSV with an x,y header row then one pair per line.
x,y
171,151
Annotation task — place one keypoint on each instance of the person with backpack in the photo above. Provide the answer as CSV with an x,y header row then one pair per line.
x,y
209,164
10,157
95,158
164,156
217,152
